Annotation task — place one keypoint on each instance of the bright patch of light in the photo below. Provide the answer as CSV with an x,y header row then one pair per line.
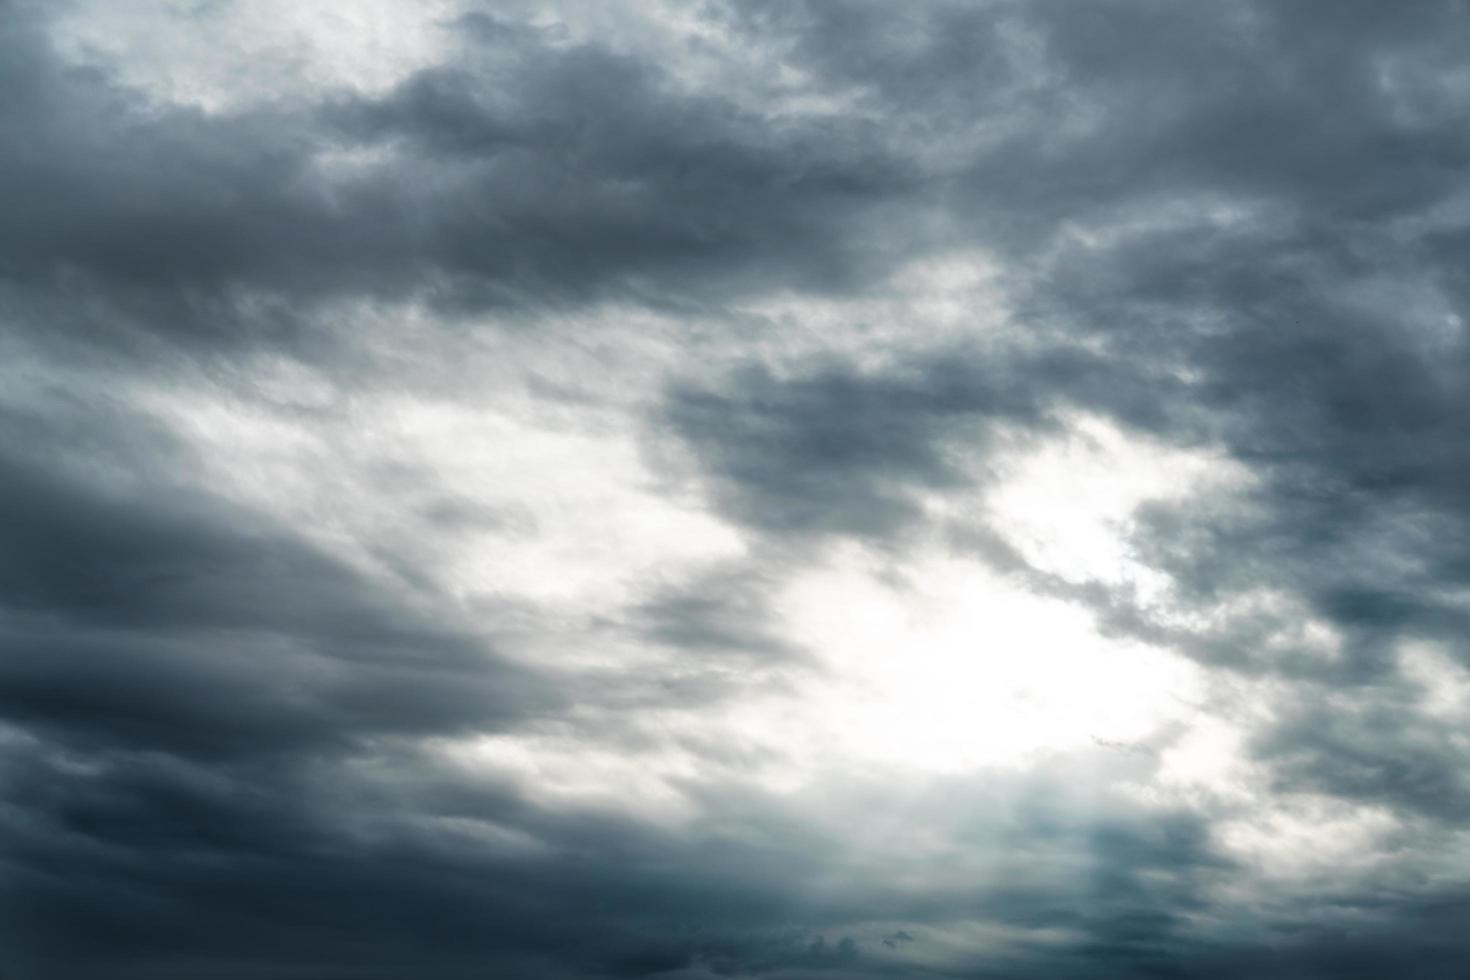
x,y
601,525
952,666
569,773
1069,503
495,501
957,296
217,55
1309,836
1444,682
1208,757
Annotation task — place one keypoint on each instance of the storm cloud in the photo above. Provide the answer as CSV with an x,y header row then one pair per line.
x,y
968,488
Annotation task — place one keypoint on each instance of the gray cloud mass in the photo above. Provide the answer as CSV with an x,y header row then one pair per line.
x,y
684,489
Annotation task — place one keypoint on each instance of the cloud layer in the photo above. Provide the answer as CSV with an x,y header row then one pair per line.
x,y
800,490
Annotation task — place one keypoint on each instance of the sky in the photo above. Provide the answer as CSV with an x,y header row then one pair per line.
x,y
698,489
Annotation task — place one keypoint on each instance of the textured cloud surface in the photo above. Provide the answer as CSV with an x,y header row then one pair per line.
x,y
719,489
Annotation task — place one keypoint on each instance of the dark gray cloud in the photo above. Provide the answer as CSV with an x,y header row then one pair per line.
x,y
173,621
462,704
835,450
527,172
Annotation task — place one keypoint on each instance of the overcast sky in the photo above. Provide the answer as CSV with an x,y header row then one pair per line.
x,y
560,489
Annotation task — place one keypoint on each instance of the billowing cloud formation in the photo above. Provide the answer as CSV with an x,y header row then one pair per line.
x,y
798,490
